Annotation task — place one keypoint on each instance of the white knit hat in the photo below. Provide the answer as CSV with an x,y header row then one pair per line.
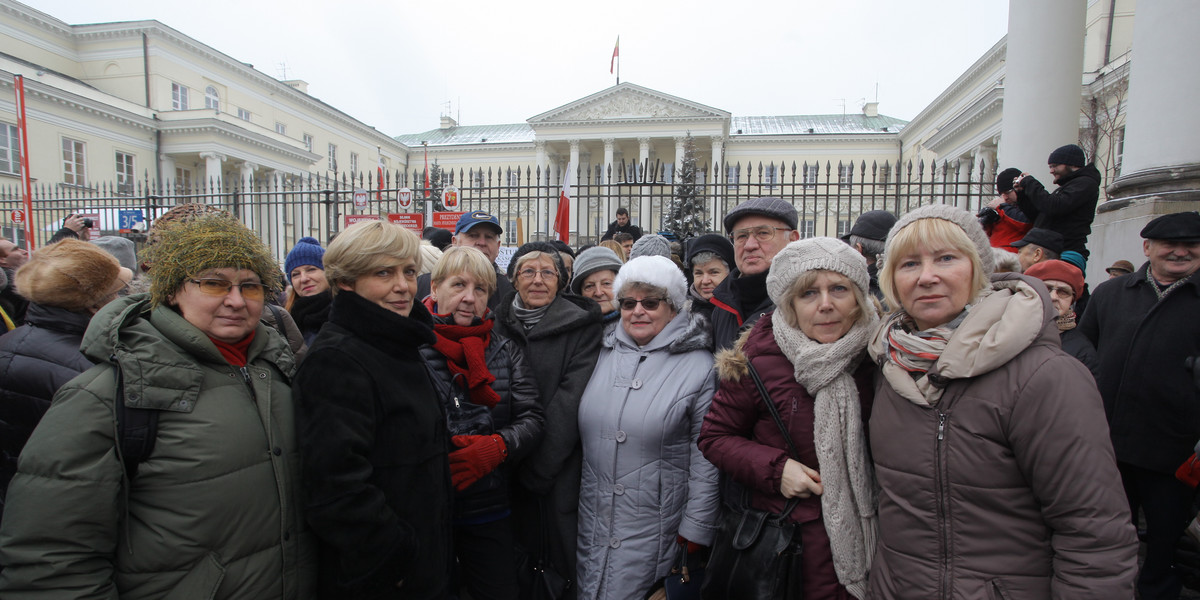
x,y
656,271
812,254
965,220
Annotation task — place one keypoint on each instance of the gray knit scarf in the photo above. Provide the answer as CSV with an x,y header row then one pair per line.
x,y
848,504
528,316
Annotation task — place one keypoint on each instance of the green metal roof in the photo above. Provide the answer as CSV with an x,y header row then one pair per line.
x,y
819,124
513,133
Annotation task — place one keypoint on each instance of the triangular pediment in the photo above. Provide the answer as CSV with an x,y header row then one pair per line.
x,y
627,102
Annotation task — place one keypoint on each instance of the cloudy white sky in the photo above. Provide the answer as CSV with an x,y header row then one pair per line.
x,y
395,64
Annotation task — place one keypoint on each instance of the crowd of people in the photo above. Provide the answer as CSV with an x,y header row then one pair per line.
x,y
915,413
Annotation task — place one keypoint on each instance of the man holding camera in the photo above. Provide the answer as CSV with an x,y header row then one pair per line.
x,y
1002,220
1071,208
74,227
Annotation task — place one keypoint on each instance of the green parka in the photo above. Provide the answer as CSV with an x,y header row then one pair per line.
x,y
214,511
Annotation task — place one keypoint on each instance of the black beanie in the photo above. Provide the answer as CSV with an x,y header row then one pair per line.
x,y
1070,155
545,247
717,244
1004,180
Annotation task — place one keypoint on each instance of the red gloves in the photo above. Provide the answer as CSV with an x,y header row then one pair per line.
x,y
477,456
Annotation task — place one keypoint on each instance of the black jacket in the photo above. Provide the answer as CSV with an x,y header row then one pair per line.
x,y
1076,344
35,360
730,315
517,418
1142,344
614,229
13,303
1069,210
374,445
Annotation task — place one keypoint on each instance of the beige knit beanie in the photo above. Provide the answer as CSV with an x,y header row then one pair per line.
x,y
965,220
810,254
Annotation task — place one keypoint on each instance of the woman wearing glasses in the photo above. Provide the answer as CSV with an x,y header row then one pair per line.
x,y
647,493
560,335
214,506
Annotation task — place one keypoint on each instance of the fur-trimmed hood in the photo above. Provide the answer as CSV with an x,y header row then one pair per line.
x,y
732,363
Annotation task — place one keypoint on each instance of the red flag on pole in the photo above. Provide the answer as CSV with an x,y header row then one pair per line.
x,y
616,53
379,187
562,219
23,133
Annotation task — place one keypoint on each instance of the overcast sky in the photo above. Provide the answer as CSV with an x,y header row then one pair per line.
x,y
394,64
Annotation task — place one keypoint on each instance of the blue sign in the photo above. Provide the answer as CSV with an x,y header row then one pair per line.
x,y
128,218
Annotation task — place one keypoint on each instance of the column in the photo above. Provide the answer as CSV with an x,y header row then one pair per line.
x,y
167,166
607,207
573,165
1041,81
645,216
1160,170
983,160
679,152
608,158
715,176
246,212
540,196
212,169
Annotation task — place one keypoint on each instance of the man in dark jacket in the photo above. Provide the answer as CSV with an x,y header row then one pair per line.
x,y
759,228
1144,327
1070,209
622,225
867,236
12,257
480,230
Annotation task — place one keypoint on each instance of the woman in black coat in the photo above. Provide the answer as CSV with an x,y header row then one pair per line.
x,y
373,438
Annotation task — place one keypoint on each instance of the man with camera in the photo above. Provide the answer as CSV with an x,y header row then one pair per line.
x,y
74,227
1002,220
1071,208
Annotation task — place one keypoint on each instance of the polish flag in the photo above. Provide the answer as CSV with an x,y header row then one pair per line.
x,y
562,220
379,190
616,53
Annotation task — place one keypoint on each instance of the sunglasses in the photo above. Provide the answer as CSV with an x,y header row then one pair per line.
x,y
221,287
647,303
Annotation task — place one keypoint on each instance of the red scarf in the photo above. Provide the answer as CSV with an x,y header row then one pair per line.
x,y
235,353
465,351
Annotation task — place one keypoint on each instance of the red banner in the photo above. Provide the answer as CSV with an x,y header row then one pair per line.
x,y
414,222
446,220
352,219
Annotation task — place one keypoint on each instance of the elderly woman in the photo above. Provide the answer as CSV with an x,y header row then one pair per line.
x,y
709,258
374,440
560,334
215,505
645,484
996,472
595,270
488,393
809,354
309,297
1064,282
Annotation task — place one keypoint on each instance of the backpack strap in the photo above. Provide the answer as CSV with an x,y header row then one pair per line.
x,y
137,429
278,320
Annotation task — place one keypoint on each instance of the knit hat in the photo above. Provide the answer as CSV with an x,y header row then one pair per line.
x,y
307,251
873,225
440,238
1004,179
1070,154
774,208
1074,258
71,274
651,244
121,248
657,271
1059,271
717,244
592,260
811,254
965,220
539,247
187,248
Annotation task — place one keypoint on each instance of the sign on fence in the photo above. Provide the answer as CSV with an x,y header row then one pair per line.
x,y
18,216
405,197
450,197
414,222
361,198
128,219
446,220
352,219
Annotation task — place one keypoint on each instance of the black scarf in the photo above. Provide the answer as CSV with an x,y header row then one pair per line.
x,y
311,312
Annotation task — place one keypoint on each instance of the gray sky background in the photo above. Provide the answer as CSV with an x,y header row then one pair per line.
x,y
395,64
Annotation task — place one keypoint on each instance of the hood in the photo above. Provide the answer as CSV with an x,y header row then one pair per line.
x,y
687,331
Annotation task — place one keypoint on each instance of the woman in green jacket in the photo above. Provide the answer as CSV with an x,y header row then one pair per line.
x,y
212,510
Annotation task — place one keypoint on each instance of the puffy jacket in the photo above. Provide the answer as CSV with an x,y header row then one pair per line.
x,y
35,360
730,316
1007,487
517,418
214,511
1069,210
644,479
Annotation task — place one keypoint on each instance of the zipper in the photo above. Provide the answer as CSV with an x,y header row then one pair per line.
x,y
249,384
943,508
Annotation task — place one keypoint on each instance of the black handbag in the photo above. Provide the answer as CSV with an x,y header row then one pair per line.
x,y
537,577
756,554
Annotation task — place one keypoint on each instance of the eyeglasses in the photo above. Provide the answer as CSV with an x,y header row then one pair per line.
x,y
221,287
529,274
647,303
762,233
1065,292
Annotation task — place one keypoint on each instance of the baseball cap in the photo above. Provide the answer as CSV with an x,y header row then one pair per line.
x,y
471,219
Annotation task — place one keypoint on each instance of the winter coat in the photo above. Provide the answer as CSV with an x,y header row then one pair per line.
x,y
1069,210
614,229
742,440
729,317
375,448
310,314
1076,344
1011,225
1007,487
35,360
562,349
1151,397
214,511
644,479
275,317
517,418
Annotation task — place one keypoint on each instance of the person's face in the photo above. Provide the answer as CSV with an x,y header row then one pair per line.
x,y
537,282
1171,261
627,246
1059,171
598,286
1115,274
391,287
622,220
462,296
933,284
706,277
1061,295
826,311
12,256
643,324
484,237
1009,197
752,255
308,280
568,264
1029,255
228,317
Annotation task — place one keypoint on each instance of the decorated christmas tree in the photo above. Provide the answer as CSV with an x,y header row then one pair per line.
x,y
687,218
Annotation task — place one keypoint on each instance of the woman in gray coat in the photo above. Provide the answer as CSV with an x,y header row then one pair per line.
x,y
646,488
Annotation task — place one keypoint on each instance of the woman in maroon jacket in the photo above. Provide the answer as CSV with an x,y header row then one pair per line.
x,y
809,354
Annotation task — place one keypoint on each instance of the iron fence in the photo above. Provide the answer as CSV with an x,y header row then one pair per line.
x,y
828,197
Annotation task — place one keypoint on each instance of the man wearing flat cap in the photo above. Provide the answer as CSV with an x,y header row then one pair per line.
x,y
1071,208
1145,326
1038,245
867,236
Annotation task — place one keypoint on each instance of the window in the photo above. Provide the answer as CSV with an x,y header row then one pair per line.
x,y
514,179
669,173
807,228
844,226
212,99
771,176
885,174
1119,154
810,176
183,178
353,163
332,157
74,154
308,142
179,96
510,233
732,174
243,114
845,176
124,172
10,150
280,128
477,178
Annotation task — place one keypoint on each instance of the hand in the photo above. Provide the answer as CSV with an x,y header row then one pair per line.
x,y
1018,181
477,456
74,223
799,481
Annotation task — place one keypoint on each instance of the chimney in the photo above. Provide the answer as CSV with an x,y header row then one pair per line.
x,y
299,85
871,109
448,122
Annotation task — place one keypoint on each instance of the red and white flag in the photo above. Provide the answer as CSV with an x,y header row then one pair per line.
x,y
616,53
562,219
379,188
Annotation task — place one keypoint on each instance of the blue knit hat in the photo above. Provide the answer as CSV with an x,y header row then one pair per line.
x,y
307,251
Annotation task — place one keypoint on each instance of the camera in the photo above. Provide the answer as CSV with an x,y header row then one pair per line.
x,y
88,223
988,216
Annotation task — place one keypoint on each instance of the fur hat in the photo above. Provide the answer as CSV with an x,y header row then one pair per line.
x,y
811,254
307,251
71,274
651,244
593,260
188,247
965,220
658,271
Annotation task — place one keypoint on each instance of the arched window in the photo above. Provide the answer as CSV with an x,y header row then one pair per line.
x,y
211,98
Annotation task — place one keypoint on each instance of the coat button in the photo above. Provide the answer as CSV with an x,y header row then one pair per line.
x,y
620,436
287,535
262,375
232,375
183,404
637,384
614,543
618,489
277,450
